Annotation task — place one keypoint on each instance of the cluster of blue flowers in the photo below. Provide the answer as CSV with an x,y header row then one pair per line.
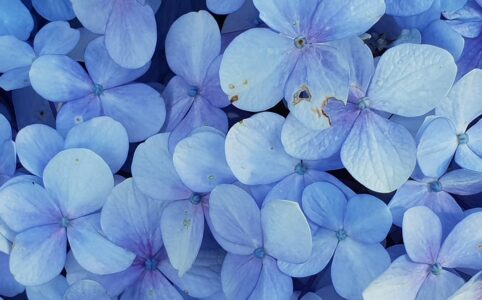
x,y
241,149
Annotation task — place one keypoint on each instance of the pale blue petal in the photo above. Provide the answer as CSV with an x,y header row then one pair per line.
x,y
104,70
474,135
138,107
93,14
8,286
15,79
355,265
182,227
52,290
151,285
56,38
462,182
25,204
410,194
14,53
254,151
8,162
470,290
286,233
461,248
389,154
68,174
38,254
402,281
15,19
87,290
272,283
139,232
223,7
367,219
466,158
5,129
131,34
255,68
410,80
439,33
104,136
75,112
320,76
407,8
36,145
192,43
325,205
211,87
154,173
58,78
440,286
93,251
324,245
200,161
54,10
436,147
239,275
446,208
422,234
235,218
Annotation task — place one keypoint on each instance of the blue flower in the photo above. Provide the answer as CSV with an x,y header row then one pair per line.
x,y
257,241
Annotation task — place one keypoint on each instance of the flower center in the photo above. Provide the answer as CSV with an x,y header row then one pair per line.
x,y
463,138
436,269
436,186
363,103
341,235
193,91
64,222
300,42
150,264
195,199
300,169
98,89
259,253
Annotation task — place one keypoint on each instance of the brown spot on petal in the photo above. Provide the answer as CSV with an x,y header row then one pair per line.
x,y
234,98
303,94
320,111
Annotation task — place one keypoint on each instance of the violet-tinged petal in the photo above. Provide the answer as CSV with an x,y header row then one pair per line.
x,y
93,14
440,286
56,38
87,290
76,112
272,283
239,275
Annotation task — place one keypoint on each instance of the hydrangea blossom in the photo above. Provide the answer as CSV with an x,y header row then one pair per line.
x,y
45,218
104,90
426,271
255,241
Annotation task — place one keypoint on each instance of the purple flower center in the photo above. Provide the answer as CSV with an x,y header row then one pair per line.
x,y
341,235
151,264
259,253
436,186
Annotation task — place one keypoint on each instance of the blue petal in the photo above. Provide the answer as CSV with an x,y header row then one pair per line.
x,y
440,286
54,289
30,108
182,227
462,182
272,283
236,219
466,158
470,290
410,80
254,151
440,34
389,156
15,79
255,67
152,285
367,219
224,7
104,136
239,275
8,162
67,175
200,161
324,245
355,265
139,232
461,248
286,233
154,173
192,43
54,10
87,290
131,34
402,280
104,70
14,53
75,112
36,145
8,286
422,234
325,205
93,251
25,204
407,8
38,254
138,107
15,19
410,194
58,78
93,14
56,38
